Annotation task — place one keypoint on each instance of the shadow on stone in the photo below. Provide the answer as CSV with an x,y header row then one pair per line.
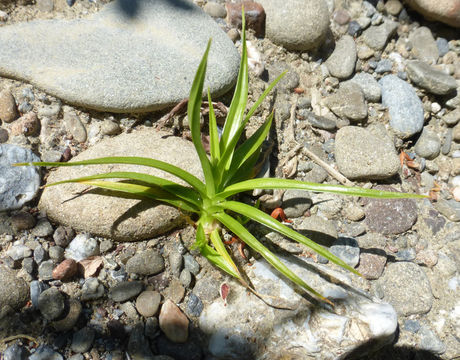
x,y
131,8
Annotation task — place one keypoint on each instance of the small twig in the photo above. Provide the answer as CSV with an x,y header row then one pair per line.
x,y
19,336
334,173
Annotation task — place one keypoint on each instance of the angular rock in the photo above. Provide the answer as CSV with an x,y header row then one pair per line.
x,y
405,107
407,288
138,345
65,270
372,264
125,290
254,14
361,154
446,11
92,289
369,86
296,202
296,24
341,63
423,45
434,81
157,52
348,102
18,184
346,249
82,247
377,37
14,291
112,217
303,331
45,352
393,216
173,322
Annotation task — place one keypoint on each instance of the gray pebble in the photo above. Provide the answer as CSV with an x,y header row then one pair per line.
x,y
40,254
447,142
19,184
28,265
92,289
346,249
449,208
43,228
405,255
151,328
423,45
22,221
348,102
148,302
45,270
36,288
452,118
25,107
44,352
443,46
341,63
125,290
185,278
428,145
435,81
15,352
175,262
407,288
51,303
383,66
295,203
110,127
289,82
405,107
63,235
215,9
194,305
354,28
3,135
82,340
14,291
377,37
412,326
191,264
56,253
50,111
369,85
138,345
105,245
147,262
317,121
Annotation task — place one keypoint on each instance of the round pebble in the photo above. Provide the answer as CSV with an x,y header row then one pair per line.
x,y
51,303
148,302
147,262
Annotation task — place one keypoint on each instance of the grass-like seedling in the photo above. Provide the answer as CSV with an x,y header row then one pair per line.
x,y
228,170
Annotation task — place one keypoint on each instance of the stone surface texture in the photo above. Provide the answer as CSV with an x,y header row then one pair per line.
x,y
118,218
293,332
446,11
141,75
307,26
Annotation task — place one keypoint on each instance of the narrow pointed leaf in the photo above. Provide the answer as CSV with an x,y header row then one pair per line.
x,y
220,248
142,191
193,113
250,147
212,255
273,224
213,133
132,160
183,192
251,241
308,186
238,104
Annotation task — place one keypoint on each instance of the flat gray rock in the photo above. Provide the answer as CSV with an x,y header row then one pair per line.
x,y
112,62
429,78
423,45
377,37
341,63
296,24
112,217
405,107
348,102
17,184
361,154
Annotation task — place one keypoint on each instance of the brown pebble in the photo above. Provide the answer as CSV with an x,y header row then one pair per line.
x,y
371,265
65,270
28,124
254,13
8,109
173,322
341,17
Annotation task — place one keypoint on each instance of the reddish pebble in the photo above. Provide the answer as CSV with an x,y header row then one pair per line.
x,y
173,322
28,124
254,13
65,270
371,265
341,17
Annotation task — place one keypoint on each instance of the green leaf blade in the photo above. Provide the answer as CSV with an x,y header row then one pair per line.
x,y
274,183
213,133
251,241
132,160
193,112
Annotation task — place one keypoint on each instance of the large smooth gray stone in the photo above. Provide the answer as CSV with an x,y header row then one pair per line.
x,y
17,184
113,62
109,216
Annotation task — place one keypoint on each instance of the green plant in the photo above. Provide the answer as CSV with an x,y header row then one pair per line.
x,y
227,172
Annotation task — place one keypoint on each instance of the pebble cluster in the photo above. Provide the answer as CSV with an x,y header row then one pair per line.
x,y
372,92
